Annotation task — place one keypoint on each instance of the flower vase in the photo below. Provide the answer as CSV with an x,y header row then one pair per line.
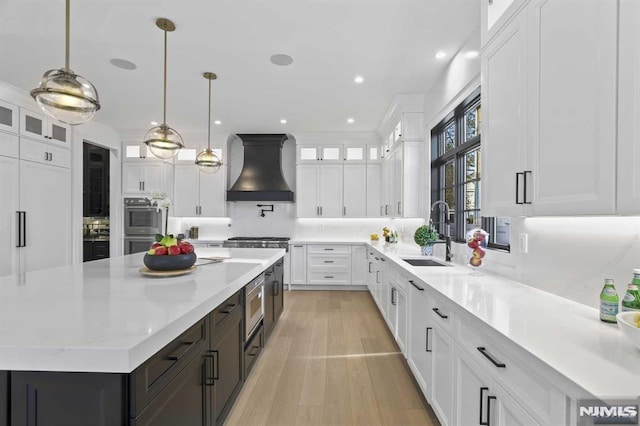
x,y
427,250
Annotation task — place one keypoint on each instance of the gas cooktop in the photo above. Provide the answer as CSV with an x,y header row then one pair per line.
x,y
259,239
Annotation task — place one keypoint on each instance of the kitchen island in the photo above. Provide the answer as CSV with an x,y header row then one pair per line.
x,y
118,339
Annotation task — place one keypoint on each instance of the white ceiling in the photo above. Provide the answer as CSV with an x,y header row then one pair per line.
x,y
390,43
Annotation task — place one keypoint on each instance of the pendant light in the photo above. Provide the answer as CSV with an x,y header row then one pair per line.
x,y
163,141
207,161
64,95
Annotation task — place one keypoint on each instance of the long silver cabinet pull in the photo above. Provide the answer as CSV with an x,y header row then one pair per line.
x,y
490,357
22,229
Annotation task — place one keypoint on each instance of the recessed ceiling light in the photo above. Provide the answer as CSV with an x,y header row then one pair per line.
x,y
217,122
281,59
472,54
154,123
359,79
123,64
350,120
283,121
440,54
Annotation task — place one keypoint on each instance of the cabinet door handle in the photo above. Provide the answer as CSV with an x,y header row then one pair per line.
x,y
381,213
393,296
490,357
378,277
344,211
320,210
328,249
399,206
426,344
416,285
176,358
480,422
329,276
383,259
328,261
298,246
370,264
518,187
51,156
22,229
143,185
440,314
229,308
526,172
46,156
140,185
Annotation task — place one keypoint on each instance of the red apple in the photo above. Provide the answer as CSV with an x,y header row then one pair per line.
x,y
173,250
473,244
160,251
185,247
478,252
156,245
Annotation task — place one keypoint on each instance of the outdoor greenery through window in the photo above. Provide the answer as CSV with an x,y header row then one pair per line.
x,y
456,171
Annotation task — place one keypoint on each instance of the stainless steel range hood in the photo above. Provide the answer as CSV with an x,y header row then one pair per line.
x,y
261,178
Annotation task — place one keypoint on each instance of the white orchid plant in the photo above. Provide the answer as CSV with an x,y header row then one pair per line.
x,y
161,201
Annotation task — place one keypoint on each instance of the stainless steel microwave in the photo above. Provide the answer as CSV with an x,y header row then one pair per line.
x,y
141,218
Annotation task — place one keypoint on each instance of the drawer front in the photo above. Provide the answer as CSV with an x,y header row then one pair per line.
x,y
252,350
8,145
226,308
44,153
147,381
442,314
328,248
537,395
329,278
329,262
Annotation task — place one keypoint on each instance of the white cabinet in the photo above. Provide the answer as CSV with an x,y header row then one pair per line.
x,y
298,255
9,193
9,117
328,264
420,334
355,190
549,147
401,176
397,313
359,264
374,154
504,130
197,193
472,390
355,154
442,398
629,109
42,128
319,190
142,177
315,153
9,145
373,190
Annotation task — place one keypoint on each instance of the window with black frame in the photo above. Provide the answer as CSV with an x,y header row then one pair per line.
x,y
456,170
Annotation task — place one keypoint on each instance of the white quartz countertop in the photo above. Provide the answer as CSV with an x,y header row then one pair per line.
x,y
104,316
335,241
566,336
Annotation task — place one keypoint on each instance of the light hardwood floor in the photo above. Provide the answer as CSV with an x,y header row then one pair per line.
x,y
330,360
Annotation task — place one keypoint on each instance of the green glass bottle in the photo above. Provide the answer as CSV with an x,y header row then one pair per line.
x,y
608,301
630,299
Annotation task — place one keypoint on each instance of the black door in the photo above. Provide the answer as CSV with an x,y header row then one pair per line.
x,y
226,348
70,399
278,290
184,401
4,398
268,300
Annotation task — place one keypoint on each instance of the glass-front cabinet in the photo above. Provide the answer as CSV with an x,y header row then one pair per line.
x,y
8,117
40,127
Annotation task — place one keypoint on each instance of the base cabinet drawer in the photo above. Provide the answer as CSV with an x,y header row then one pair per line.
x,y
329,248
329,278
329,262
252,350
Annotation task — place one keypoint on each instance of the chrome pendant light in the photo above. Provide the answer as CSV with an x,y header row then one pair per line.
x,y
64,95
207,160
163,141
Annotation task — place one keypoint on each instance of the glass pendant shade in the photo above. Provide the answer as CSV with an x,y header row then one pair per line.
x,y
163,141
65,96
208,162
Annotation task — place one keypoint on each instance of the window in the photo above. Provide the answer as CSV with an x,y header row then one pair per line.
x,y
456,171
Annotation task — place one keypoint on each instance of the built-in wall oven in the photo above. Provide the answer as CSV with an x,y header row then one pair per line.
x,y
254,305
142,222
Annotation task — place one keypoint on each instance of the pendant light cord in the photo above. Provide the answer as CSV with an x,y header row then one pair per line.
x,y
164,106
67,36
209,117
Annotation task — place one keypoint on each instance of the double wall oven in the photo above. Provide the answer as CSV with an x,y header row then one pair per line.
x,y
142,222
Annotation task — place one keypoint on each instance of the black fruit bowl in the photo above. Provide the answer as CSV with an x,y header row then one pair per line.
x,y
169,263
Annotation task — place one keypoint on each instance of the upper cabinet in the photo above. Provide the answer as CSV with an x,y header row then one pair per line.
x,y
549,146
9,117
629,109
40,127
494,15
324,153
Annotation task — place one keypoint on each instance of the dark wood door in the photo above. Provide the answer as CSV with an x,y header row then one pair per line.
x,y
186,399
70,399
4,398
278,290
268,300
226,349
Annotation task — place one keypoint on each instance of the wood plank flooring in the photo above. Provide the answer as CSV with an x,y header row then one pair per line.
x,y
330,360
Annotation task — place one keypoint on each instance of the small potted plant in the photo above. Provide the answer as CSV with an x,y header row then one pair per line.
x,y
425,236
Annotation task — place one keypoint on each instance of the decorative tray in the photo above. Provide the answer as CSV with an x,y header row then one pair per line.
x,y
160,274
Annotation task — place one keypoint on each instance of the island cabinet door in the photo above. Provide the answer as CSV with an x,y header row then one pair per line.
x,y
4,396
184,400
70,399
227,354
269,293
278,290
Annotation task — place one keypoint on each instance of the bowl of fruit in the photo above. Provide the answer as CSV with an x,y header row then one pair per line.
x,y
170,254
477,242
629,323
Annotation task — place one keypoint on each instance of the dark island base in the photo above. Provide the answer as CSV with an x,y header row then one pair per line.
x,y
193,380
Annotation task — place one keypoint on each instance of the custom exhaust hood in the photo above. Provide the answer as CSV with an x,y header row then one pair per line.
x,y
261,178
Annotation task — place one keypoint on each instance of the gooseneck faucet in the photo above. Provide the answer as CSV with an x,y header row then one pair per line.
x,y
446,235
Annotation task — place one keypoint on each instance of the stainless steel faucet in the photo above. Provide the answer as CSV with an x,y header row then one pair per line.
x,y
446,235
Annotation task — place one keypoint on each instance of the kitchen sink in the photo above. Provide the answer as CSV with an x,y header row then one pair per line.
x,y
424,262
